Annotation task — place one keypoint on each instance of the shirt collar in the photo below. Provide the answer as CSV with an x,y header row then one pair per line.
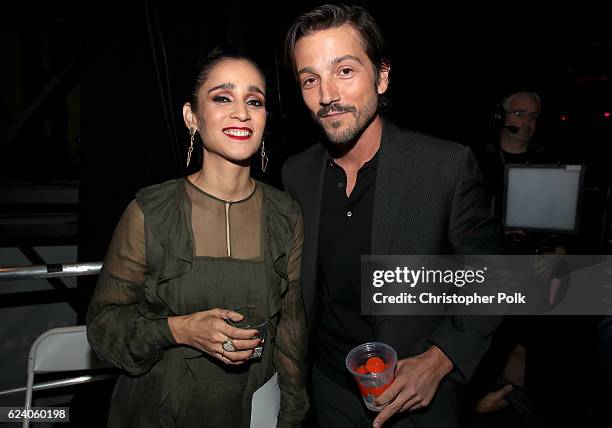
x,y
372,163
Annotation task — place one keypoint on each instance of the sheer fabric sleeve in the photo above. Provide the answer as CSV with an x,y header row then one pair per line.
x,y
290,351
116,330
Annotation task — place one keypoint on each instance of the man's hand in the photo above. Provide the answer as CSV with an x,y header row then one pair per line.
x,y
494,400
416,381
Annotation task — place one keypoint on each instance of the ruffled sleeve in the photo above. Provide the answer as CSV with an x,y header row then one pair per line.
x,y
290,351
117,329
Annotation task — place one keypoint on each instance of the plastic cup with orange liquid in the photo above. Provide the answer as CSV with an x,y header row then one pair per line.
x,y
373,366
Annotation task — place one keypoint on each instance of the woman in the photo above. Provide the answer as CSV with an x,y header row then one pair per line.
x,y
186,251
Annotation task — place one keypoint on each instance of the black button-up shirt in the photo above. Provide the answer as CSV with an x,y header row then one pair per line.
x,y
346,224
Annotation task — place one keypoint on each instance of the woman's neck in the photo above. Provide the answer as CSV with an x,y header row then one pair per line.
x,y
224,180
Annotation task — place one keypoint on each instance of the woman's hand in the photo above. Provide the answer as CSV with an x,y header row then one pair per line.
x,y
208,330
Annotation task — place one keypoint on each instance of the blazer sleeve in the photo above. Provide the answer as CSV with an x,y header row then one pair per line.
x,y
472,230
288,177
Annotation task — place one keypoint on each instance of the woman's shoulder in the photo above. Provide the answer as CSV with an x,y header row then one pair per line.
x,y
166,188
153,197
163,201
279,200
166,216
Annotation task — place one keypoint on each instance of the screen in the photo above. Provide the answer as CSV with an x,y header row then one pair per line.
x,y
543,197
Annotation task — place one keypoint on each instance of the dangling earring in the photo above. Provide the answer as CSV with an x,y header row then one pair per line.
x,y
264,158
192,132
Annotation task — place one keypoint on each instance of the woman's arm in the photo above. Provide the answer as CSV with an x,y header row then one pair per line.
x,y
291,335
116,329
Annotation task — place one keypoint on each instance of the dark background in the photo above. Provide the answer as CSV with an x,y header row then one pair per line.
x,y
91,96
92,93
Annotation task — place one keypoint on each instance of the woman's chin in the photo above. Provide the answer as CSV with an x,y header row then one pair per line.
x,y
240,160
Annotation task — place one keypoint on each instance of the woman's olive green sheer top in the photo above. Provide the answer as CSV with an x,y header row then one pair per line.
x,y
161,234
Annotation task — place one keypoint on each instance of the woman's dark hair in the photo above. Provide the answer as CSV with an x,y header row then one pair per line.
x,y
209,61
334,16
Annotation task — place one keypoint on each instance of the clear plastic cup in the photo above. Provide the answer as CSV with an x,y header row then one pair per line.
x,y
364,363
252,319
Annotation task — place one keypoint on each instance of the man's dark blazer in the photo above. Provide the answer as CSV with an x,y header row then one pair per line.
x,y
429,199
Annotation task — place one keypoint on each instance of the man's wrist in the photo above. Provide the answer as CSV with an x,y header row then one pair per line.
x,y
442,363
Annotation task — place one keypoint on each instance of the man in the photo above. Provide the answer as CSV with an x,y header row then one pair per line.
x,y
376,189
531,355
519,117
522,110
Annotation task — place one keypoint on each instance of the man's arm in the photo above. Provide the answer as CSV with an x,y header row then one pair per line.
x,y
472,230
459,341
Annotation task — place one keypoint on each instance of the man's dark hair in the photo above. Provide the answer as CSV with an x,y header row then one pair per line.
x,y
334,16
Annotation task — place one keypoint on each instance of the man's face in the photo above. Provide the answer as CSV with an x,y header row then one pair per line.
x,y
339,82
523,113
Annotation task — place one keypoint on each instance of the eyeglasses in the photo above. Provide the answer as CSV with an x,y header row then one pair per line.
x,y
522,114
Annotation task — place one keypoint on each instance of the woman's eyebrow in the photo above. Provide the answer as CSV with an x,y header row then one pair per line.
x,y
222,86
255,88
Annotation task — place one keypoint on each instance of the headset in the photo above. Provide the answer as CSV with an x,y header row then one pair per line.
x,y
498,119
499,114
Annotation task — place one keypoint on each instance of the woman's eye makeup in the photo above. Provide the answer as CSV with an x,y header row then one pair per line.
x,y
255,102
220,99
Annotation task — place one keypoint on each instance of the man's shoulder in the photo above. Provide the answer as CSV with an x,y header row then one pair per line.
x,y
420,141
296,167
539,148
311,154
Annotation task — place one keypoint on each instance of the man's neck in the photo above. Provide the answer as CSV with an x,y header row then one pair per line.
x,y
364,149
512,145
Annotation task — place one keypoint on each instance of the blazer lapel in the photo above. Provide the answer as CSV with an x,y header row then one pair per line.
x,y
312,197
395,180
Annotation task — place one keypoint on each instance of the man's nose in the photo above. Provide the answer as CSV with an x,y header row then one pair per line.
x,y
328,93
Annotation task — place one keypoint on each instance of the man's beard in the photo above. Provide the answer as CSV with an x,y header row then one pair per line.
x,y
352,133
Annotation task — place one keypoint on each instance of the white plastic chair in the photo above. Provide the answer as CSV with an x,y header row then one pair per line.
x,y
61,349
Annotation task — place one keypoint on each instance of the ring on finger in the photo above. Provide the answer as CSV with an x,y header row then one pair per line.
x,y
228,345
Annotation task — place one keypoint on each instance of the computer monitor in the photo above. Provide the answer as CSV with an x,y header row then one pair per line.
x,y
543,198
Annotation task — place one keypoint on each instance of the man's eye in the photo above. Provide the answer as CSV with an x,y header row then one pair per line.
x,y
308,82
346,71
519,113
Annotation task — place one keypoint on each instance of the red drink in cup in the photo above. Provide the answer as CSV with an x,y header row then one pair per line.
x,y
373,366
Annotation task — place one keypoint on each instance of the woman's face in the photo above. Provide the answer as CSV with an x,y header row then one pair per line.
x,y
231,114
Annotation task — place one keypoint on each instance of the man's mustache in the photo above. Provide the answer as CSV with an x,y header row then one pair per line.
x,y
337,108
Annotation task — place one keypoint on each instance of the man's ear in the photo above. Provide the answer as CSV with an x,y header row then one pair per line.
x,y
382,83
189,117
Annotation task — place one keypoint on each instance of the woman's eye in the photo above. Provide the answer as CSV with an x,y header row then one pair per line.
x,y
221,99
255,103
